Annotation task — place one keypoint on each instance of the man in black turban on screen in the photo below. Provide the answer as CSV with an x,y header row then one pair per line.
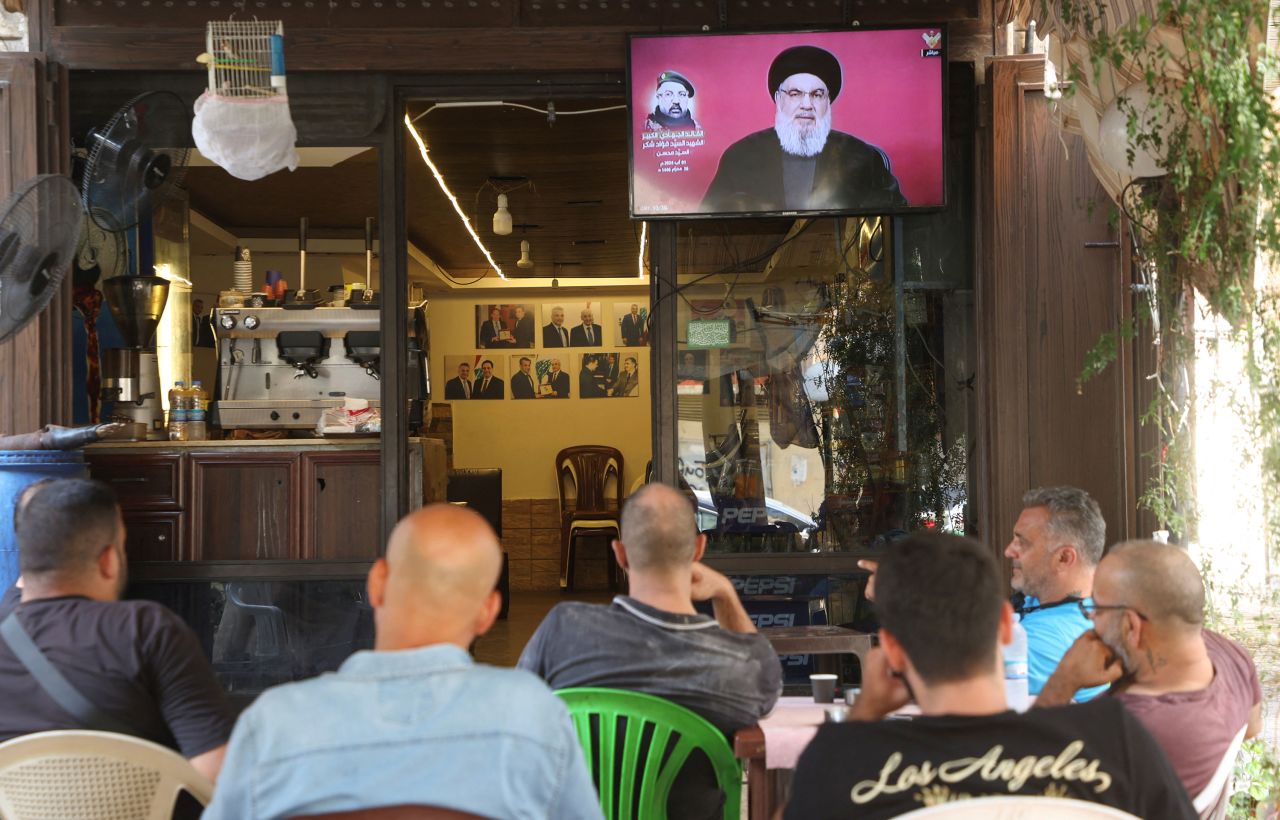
x,y
800,163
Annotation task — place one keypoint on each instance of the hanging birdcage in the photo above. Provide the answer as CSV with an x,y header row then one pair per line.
x,y
242,122
245,58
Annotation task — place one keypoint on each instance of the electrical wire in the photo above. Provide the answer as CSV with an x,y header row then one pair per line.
x,y
549,112
737,267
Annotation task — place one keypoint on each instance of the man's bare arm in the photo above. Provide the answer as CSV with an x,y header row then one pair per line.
x,y
210,763
711,585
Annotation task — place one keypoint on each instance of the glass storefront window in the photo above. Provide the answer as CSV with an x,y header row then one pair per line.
x,y
825,388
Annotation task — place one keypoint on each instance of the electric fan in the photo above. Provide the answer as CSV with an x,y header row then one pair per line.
x,y
100,248
39,228
135,161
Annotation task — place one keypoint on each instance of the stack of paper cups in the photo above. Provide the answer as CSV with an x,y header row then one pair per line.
x,y
243,269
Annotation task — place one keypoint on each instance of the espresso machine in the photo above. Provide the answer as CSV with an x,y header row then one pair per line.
x,y
280,368
131,374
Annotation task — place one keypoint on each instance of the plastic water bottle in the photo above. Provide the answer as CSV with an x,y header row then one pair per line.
x,y
178,412
197,404
1015,670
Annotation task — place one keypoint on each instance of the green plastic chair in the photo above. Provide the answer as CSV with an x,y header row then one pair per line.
x,y
642,794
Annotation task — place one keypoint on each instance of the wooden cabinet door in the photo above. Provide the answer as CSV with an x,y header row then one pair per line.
x,y
243,506
153,536
341,494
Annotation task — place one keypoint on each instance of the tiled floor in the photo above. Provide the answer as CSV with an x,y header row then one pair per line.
x,y
502,645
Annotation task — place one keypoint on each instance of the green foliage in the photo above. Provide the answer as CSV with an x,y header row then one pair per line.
x,y
1257,781
1205,226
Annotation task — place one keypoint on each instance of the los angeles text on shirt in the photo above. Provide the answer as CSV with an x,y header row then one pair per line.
x,y
1066,765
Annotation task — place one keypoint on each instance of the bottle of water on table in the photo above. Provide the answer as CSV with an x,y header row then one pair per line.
x,y
1015,670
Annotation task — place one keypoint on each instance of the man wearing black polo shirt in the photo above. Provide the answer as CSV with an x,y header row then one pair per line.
x,y
139,667
942,619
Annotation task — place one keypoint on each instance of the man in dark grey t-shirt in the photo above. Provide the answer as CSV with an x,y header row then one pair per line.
x,y
654,641
136,662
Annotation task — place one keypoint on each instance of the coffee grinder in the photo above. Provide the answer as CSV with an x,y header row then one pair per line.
x,y
131,374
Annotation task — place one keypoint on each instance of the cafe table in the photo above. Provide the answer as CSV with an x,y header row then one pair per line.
x,y
820,640
770,749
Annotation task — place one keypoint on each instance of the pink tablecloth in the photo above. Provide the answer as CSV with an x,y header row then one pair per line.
x,y
789,728
793,723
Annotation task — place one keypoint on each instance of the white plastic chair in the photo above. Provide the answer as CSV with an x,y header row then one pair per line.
x,y
93,776
1209,802
1021,807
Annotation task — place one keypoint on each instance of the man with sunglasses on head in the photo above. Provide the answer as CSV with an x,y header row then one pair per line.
x,y
943,619
802,163
1171,673
1057,543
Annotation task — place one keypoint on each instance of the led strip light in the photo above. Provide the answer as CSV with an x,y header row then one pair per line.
x,y
466,222
644,239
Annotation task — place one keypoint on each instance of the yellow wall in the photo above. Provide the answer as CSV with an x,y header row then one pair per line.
x,y
523,436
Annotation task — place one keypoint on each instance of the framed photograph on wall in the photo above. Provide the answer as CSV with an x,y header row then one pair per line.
x,y
545,378
505,326
474,376
608,375
572,324
691,373
633,323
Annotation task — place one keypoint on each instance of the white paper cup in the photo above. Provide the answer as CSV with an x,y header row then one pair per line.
x,y
824,688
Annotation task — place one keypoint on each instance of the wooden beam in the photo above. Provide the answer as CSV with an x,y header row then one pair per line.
x,y
418,50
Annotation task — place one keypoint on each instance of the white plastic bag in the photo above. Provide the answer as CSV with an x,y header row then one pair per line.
x,y
248,136
355,416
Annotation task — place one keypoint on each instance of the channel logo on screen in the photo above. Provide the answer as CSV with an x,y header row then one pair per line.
x,y
932,44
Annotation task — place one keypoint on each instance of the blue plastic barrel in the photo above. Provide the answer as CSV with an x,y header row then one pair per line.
x,y
19,468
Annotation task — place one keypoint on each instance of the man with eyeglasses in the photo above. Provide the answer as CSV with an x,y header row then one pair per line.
x,y
1171,673
673,109
943,618
1057,543
801,163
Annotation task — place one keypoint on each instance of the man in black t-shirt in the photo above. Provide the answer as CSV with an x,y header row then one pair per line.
x,y
942,619
136,662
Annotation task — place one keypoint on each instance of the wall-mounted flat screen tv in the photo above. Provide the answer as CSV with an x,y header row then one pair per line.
x,y
798,123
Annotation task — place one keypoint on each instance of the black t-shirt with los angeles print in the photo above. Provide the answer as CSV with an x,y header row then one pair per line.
x,y
1092,751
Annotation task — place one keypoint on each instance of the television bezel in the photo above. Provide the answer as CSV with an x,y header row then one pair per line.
x,y
909,210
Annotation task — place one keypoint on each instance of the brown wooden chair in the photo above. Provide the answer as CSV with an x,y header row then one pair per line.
x,y
589,509
395,813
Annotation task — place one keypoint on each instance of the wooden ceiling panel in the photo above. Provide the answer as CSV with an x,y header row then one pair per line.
x,y
575,202
335,200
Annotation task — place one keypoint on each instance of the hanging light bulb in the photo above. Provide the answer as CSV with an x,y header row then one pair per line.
x,y
502,217
525,261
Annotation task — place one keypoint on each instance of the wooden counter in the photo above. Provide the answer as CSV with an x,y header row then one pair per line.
x,y
250,500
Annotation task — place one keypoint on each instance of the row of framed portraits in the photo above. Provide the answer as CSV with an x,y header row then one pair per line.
x,y
526,326
605,375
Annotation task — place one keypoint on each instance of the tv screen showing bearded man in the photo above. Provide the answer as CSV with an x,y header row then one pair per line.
x,y
847,122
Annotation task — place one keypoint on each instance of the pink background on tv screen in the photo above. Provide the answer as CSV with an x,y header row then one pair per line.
x,y
890,96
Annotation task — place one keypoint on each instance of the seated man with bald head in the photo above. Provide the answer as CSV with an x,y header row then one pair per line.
x,y
414,722
654,641
1178,678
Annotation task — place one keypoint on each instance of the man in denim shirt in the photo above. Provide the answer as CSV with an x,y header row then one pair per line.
x,y
654,641
414,721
